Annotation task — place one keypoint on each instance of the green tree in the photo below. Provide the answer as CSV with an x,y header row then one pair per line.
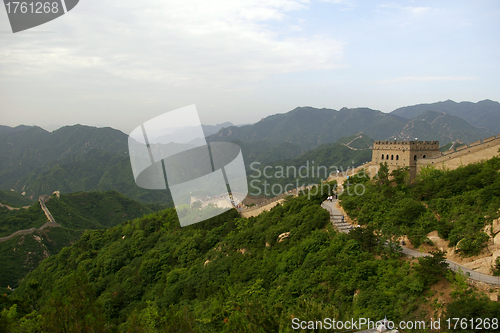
x,y
73,308
383,174
431,269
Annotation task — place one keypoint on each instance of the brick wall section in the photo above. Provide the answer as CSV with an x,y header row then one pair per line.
x,y
475,143
473,153
489,139
465,155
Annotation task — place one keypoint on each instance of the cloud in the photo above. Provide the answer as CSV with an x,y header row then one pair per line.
x,y
408,9
349,4
179,42
427,79
417,10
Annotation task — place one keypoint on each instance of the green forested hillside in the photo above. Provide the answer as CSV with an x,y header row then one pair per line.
x,y
75,212
228,274
26,150
95,170
70,159
83,158
457,203
13,220
95,210
22,254
309,127
14,199
312,167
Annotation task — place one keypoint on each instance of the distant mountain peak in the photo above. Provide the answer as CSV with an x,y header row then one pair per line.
x,y
483,114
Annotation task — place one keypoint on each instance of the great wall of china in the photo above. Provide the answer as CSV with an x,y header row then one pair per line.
x,y
50,224
472,153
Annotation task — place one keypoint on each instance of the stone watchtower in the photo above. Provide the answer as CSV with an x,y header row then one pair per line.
x,y
399,154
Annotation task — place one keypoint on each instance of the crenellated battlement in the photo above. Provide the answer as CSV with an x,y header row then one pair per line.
x,y
395,145
406,143
418,154
471,153
415,154
399,154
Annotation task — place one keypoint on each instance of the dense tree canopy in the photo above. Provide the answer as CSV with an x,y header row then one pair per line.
x,y
232,274
457,203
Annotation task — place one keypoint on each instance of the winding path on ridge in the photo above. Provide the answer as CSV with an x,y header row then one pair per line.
x,y
51,223
348,144
13,208
336,216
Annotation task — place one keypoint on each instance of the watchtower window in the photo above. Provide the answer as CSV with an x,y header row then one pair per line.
x,y
423,156
415,157
382,156
392,157
397,157
387,156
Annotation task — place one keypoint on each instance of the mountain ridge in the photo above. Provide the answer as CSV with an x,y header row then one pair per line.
x,y
84,158
429,123
309,127
485,113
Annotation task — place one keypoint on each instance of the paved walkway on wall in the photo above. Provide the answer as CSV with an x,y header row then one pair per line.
x,y
270,203
494,280
13,208
348,144
335,218
51,223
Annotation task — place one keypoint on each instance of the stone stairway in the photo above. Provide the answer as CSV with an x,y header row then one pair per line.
x,y
339,225
336,217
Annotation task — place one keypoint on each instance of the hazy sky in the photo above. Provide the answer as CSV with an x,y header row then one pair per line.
x,y
120,63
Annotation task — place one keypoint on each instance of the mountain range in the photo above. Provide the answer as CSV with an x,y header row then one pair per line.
x,y
130,268
309,127
483,114
75,158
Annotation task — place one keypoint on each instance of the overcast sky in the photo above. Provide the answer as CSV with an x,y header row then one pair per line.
x,y
120,63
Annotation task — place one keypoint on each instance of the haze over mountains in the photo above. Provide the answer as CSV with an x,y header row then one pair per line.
x,y
83,158
309,127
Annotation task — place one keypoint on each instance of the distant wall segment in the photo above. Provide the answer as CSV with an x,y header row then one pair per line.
x,y
51,223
